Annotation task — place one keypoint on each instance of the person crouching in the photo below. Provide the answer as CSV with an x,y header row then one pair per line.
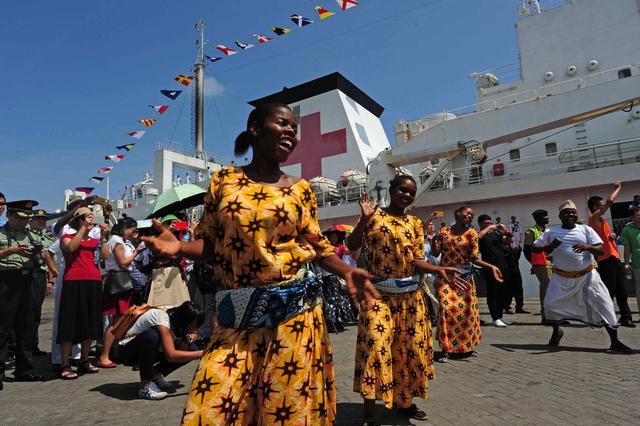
x,y
157,329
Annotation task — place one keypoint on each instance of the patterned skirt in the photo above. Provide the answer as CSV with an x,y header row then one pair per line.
x,y
266,376
394,350
458,318
337,308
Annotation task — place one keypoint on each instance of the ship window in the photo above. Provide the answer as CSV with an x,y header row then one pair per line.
x,y
514,155
551,148
624,73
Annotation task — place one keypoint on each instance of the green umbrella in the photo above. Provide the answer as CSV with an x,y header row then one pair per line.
x,y
179,198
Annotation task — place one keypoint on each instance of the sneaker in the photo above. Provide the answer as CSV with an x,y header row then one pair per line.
x,y
499,323
506,321
161,382
151,391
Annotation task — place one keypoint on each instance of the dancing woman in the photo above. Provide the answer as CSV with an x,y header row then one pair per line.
x,y
269,360
458,315
394,353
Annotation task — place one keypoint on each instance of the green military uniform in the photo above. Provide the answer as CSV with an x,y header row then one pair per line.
x,y
16,290
41,278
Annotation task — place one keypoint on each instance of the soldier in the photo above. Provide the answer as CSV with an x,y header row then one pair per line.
x,y
45,276
19,257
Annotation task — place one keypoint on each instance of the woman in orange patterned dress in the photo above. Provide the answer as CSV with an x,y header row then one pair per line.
x,y
394,353
269,360
458,316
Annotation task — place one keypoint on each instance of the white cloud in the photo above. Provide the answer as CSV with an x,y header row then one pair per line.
x,y
212,87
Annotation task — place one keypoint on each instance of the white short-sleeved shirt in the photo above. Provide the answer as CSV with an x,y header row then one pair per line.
x,y
111,264
563,256
152,318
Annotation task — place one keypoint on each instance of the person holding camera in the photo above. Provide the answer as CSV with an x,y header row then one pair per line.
x,y
118,285
80,313
17,267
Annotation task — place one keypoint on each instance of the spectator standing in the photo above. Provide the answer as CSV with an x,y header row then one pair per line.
x,y
634,205
44,274
610,268
168,286
540,261
121,255
16,281
493,251
631,243
173,331
79,318
514,278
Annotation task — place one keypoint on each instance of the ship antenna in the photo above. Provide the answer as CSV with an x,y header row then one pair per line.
x,y
198,102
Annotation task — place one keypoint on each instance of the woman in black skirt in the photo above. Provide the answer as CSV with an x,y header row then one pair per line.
x,y
80,313
337,308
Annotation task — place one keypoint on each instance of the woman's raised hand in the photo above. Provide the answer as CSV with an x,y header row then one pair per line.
x,y
366,206
165,244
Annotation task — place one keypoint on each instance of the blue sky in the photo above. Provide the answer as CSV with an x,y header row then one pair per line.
x,y
76,75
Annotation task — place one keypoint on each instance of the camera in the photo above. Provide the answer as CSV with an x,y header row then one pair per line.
x,y
36,255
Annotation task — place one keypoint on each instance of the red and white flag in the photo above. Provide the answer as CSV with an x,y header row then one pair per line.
x,y
262,39
347,4
226,50
115,158
137,134
105,170
160,109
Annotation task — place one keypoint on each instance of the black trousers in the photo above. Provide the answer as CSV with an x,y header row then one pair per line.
x,y
144,350
515,291
16,314
612,273
496,293
39,293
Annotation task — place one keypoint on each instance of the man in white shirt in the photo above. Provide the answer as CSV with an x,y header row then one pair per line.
x,y
576,291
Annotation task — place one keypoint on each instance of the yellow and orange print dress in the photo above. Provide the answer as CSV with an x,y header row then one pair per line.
x,y
458,316
282,375
394,350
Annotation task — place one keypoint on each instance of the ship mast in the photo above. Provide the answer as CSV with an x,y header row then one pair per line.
x,y
198,70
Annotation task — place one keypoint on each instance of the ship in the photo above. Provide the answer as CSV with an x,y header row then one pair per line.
x,y
566,128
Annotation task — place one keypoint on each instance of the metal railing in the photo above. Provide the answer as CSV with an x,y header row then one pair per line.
x,y
586,157
338,196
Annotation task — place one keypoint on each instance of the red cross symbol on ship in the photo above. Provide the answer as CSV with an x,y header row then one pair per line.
x,y
314,146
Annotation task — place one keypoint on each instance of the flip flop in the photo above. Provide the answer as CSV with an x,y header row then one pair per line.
x,y
109,365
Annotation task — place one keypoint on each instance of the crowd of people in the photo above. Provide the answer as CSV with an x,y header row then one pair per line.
x,y
97,273
280,285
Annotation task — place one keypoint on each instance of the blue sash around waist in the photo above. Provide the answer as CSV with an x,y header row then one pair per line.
x,y
250,308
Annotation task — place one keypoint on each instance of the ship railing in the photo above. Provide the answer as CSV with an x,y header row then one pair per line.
x,y
586,157
343,195
184,149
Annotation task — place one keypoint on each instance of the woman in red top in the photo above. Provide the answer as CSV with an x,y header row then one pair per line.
x,y
80,313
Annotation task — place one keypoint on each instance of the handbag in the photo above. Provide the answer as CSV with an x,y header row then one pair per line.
x,y
127,319
118,282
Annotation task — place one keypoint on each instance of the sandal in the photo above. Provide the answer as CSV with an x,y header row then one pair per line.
x,y
67,373
87,368
414,412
